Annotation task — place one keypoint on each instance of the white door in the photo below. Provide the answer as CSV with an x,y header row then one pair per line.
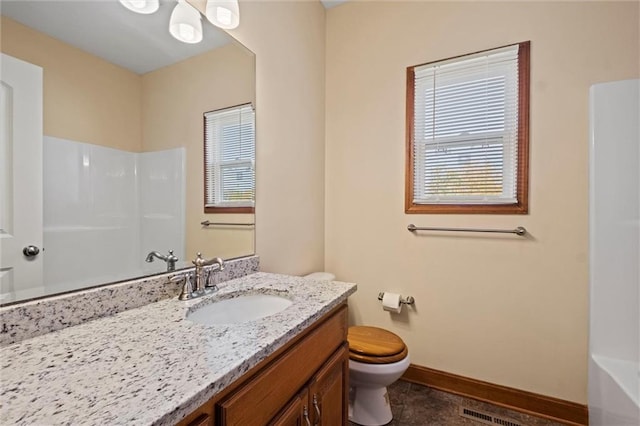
x,y
20,179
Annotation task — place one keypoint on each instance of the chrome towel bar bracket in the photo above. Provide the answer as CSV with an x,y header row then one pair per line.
x,y
520,230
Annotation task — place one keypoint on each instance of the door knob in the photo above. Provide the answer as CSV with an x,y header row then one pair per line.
x,y
30,251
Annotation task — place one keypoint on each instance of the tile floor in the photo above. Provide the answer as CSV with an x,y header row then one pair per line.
x,y
415,405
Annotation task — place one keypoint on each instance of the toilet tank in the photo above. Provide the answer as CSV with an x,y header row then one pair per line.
x,y
321,276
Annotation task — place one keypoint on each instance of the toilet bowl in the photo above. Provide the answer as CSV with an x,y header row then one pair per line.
x,y
377,358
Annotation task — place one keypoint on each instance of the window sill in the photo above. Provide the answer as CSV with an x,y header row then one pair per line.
x,y
229,209
466,209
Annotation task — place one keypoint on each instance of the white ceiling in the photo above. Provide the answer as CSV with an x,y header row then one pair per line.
x,y
105,28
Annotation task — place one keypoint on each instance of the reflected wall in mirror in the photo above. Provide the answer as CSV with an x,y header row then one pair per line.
x,y
122,144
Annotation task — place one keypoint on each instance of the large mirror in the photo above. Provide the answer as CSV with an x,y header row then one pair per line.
x,y
121,141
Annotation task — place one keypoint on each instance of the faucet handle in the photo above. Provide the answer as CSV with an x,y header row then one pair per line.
x,y
187,287
177,278
209,281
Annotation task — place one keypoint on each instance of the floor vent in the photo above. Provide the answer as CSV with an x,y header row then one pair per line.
x,y
486,418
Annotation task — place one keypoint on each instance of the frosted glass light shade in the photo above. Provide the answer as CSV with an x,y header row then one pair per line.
x,y
185,24
141,6
223,13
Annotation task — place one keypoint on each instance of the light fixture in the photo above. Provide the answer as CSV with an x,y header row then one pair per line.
x,y
141,6
185,24
223,13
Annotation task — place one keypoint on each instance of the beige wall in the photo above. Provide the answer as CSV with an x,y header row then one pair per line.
x,y
290,63
86,99
503,309
288,39
174,100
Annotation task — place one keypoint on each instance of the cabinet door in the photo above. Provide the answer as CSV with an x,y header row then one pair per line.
x,y
263,396
296,412
328,391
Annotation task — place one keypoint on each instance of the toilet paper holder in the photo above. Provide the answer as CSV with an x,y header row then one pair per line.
x,y
409,300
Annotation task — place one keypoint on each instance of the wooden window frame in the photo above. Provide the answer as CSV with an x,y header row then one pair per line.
x,y
229,209
212,209
522,186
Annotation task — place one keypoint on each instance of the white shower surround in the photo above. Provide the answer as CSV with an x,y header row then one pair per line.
x,y
614,334
105,209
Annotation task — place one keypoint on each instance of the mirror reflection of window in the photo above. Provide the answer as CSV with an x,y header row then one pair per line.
x,y
230,160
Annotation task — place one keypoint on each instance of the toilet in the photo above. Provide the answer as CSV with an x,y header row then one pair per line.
x,y
377,358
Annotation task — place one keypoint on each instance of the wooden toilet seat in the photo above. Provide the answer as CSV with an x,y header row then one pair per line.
x,y
373,345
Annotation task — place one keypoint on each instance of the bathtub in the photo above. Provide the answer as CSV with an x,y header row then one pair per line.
x,y
614,250
617,400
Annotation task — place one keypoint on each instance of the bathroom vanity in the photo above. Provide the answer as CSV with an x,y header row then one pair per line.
x,y
152,365
306,379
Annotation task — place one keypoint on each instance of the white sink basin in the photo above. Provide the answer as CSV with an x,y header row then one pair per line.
x,y
239,309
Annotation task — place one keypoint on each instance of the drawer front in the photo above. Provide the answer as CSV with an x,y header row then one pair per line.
x,y
260,399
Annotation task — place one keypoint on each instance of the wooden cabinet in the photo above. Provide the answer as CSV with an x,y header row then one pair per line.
x,y
323,401
304,383
327,391
202,420
296,413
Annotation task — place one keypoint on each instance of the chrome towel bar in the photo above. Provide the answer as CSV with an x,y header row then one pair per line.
x,y
207,223
520,230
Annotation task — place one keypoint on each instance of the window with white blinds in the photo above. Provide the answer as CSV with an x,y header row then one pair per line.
x,y
230,152
466,133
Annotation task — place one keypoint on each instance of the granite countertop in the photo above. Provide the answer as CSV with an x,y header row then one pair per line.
x,y
150,365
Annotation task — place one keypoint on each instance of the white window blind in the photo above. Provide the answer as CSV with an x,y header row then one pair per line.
x,y
465,143
230,152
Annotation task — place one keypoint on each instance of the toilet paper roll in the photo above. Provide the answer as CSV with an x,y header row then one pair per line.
x,y
391,302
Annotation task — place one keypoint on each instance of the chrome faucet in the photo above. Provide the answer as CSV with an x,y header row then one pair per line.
x,y
170,259
201,283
